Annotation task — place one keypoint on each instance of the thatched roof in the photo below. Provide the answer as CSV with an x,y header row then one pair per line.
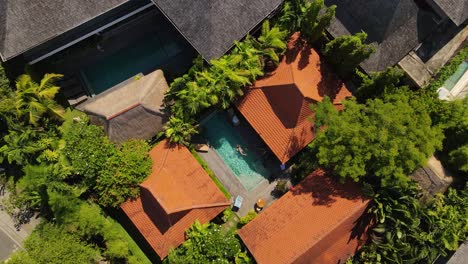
x,y
212,26
131,111
26,24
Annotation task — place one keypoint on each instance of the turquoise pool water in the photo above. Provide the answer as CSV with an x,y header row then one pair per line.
x,y
452,81
155,51
224,139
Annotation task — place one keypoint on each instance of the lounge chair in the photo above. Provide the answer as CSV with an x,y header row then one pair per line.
x,y
202,147
237,203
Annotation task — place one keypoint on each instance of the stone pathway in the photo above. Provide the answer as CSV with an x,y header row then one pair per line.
x,y
10,238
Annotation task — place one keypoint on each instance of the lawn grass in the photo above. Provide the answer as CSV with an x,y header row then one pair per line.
x,y
211,173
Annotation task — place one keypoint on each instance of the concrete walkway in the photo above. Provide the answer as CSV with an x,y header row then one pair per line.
x,y
234,186
10,238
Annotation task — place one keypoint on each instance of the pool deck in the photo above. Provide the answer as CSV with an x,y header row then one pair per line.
x,y
234,186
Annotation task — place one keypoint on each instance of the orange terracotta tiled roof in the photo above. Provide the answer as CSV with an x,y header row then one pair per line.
x,y
177,193
312,223
277,106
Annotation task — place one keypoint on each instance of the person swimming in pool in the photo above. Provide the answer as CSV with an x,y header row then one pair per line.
x,y
240,150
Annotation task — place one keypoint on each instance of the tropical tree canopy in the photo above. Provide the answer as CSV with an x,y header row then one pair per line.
x,y
34,100
387,138
407,231
345,53
179,132
208,243
378,83
452,116
314,24
51,244
122,173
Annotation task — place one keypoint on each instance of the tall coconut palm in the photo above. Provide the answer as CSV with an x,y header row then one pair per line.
x,y
34,100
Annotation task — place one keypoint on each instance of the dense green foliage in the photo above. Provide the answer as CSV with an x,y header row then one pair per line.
x,y
378,83
34,100
345,53
304,16
87,148
49,244
387,138
89,222
410,232
453,118
122,173
247,218
54,164
208,243
178,131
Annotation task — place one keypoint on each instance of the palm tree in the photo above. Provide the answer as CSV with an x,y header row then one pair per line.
x,y
33,100
271,42
179,132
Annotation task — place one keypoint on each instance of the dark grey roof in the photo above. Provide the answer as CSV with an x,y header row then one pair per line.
x,y
394,27
25,24
212,26
456,10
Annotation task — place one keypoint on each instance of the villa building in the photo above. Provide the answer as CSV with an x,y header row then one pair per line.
x,y
419,36
318,221
177,193
98,44
278,105
130,110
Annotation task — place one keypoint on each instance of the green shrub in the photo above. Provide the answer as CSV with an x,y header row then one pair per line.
x,y
407,231
379,83
88,221
385,139
122,173
87,148
246,219
51,244
345,53
227,215
208,243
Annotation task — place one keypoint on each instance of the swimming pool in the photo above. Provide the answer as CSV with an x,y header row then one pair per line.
x,y
163,49
224,139
452,81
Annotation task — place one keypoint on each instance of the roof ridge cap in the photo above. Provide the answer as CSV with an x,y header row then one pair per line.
x,y
201,206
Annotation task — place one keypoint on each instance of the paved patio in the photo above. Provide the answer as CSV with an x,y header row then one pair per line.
x,y
11,239
234,186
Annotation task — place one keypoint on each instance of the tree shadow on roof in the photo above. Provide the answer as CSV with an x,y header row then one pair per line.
x,y
286,102
325,189
330,84
300,137
156,213
362,225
